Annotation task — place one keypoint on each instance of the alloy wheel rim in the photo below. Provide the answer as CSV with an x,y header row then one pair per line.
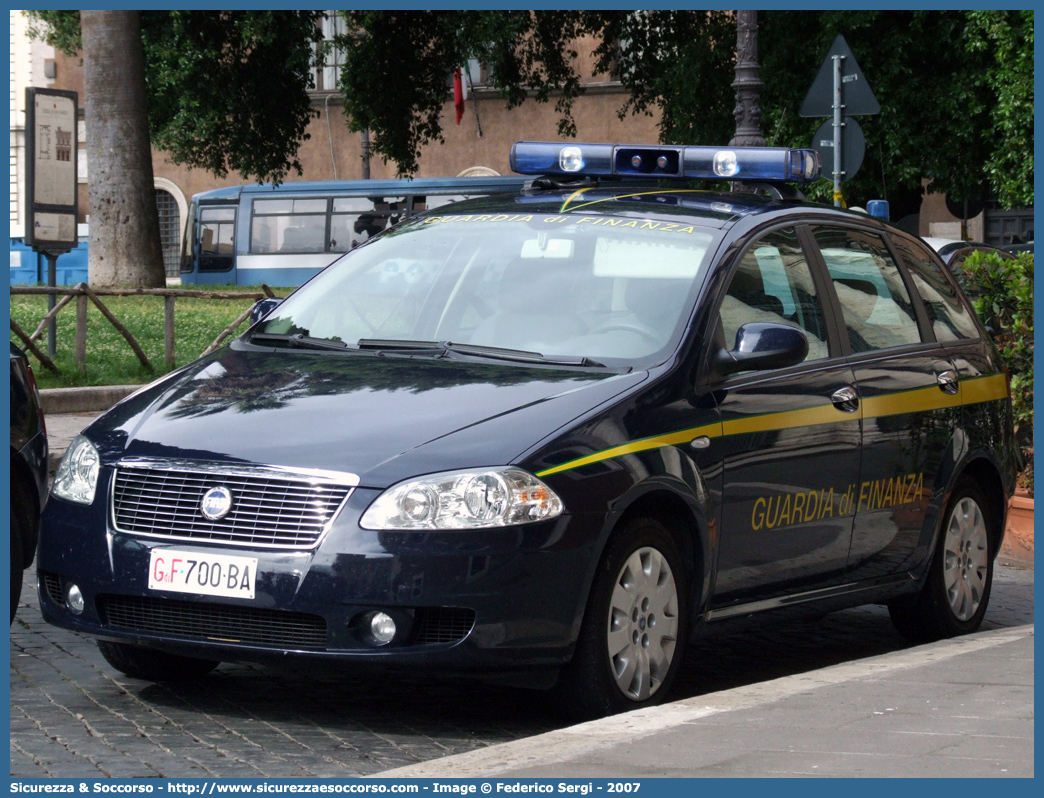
x,y
965,559
642,632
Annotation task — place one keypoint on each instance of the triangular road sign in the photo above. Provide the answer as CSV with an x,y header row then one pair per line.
x,y
856,93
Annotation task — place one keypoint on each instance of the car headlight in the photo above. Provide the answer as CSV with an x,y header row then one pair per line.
x,y
471,499
77,475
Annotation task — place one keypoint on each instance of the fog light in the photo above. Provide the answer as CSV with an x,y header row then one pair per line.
x,y
382,628
74,599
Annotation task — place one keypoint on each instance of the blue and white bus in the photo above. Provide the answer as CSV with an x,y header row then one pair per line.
x,y
282,235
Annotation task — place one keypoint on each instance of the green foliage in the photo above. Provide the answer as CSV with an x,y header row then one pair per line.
x,y
60,29
227,90
1004,302
679,62
1007,38
934,120
398,65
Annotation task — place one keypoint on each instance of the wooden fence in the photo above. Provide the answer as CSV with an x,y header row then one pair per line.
x,y
83,294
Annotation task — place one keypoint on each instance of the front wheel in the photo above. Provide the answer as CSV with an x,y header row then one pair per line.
x,y
139,662
632,639
956,592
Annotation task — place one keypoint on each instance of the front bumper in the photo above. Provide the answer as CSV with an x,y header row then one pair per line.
x,y
499,599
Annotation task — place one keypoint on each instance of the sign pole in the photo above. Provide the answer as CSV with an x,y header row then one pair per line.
x,y
52,281
838,124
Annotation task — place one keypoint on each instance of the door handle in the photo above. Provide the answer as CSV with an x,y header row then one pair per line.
x,y
846,399
948,381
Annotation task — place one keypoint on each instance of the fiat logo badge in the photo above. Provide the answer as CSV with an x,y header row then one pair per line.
x,y
216,503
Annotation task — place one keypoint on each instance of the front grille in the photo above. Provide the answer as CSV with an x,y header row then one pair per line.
x,y
443,624
223,622
52,586
269,510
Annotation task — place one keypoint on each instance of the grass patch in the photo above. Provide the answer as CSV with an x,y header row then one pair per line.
x,y
110,360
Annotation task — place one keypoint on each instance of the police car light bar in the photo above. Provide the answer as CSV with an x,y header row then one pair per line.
x,y
708,163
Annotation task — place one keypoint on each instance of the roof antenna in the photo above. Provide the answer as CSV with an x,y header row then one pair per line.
x,y
779,124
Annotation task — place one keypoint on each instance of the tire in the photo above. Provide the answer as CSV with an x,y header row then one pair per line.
x,y
631,642
139,662
956,592
17,562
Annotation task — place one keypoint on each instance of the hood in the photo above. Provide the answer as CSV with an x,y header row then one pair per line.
x,y
381,418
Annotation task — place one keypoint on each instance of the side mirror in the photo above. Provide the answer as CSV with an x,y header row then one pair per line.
x,y
262,308
763,345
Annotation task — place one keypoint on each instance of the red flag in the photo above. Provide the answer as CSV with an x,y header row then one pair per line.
x,y
458,94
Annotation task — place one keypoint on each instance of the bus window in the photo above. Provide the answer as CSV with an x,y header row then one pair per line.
x,y
216,238
345,221
288,225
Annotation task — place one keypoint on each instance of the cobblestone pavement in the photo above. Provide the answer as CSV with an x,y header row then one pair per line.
x,y
74,716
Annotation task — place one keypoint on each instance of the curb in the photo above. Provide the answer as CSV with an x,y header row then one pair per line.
x,y
84,400
569,752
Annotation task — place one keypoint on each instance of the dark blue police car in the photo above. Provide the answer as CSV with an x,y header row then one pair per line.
x,y
549,437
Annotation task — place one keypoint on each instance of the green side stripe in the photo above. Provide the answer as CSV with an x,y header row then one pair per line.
x,y
919,400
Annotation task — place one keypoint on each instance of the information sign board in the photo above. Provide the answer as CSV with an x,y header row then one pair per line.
x,y
51,171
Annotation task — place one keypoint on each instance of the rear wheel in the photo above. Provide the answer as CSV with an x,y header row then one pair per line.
x,y
631,641
155,666
956,592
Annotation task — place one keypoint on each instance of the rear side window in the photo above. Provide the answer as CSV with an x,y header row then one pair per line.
x,y
949,316
876,305
773,283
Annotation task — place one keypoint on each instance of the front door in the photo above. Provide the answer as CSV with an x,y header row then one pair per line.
x,y
790,439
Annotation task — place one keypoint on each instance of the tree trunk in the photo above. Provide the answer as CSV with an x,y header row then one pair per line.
x,y
124,223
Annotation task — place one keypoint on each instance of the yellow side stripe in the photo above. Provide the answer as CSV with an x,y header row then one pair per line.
x,y
919,400
984,389
788,419
643,445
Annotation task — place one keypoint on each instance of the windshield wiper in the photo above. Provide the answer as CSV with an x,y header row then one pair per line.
x,y
494,352
299,341
391,345
522,355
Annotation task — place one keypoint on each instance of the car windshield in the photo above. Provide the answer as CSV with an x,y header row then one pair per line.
x,y
603,288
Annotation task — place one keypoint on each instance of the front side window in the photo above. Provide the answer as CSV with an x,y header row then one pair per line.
x,y
876,305
949,316
546,283
773,283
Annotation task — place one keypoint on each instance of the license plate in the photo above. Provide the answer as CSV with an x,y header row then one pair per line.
x,y
202,574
